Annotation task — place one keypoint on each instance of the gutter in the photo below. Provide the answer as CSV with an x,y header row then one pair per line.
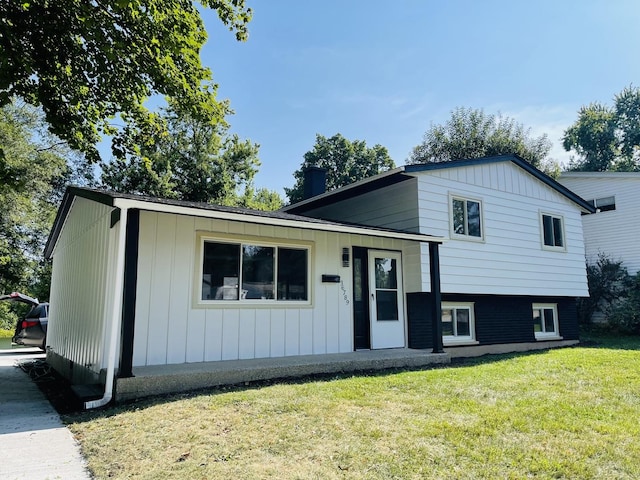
x,y
116,317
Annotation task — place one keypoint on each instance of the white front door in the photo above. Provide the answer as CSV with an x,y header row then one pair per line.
x,y
387,309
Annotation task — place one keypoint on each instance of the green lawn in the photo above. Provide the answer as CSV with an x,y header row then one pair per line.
x,y
567,413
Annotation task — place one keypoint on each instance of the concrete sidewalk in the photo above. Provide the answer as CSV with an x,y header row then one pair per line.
x,y
34,443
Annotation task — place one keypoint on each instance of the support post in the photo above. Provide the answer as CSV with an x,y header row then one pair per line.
x,y
129,294
436,297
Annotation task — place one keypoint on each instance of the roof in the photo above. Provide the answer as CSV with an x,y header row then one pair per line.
x,y
405,173
625,175
199,209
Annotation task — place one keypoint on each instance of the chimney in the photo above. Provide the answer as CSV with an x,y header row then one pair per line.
x,y
315,181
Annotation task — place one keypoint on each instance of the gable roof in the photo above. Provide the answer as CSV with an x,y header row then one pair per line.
x,y
401,174
199,209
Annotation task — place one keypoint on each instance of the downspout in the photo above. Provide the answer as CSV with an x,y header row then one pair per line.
x,y
116,316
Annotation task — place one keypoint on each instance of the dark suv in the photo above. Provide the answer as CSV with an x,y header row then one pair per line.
x,y
31,330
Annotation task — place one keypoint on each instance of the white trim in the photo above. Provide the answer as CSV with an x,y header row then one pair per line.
x,y
552,248
281,222
453,340
462,236
555,335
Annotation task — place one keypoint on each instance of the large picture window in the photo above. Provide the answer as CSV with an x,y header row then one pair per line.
x,y
466,218
251,272
458,325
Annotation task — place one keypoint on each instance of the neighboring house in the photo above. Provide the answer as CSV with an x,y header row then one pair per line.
x,y
140,282
513,263
614,229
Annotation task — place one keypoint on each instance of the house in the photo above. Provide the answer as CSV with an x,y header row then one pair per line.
x,y
142,283
466,257
513,263
613,229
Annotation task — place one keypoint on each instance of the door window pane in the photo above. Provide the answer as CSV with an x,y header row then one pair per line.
x,y
257,272
386,276
387,305
292,274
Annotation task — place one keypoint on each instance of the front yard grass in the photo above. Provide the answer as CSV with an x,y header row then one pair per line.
x,y
566,413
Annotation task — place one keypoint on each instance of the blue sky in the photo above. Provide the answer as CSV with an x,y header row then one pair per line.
x,y
384,71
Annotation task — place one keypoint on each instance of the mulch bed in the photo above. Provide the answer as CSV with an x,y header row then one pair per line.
x,y
56,388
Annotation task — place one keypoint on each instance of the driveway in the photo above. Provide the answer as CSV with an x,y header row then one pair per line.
x,y
35,444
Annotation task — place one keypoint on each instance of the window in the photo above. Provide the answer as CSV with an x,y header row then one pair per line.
x,y
458,324
604,204
552,231
466,218
545,320
249,272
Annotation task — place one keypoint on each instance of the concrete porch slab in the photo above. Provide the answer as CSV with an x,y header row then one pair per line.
x,y
164,379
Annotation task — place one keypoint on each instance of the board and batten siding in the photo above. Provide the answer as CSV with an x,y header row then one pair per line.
x,y
614,232
83,270
511,260
171,327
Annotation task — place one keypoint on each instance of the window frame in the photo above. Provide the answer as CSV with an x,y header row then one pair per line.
x,y
454,340
553,248
555,335
452,228
241,241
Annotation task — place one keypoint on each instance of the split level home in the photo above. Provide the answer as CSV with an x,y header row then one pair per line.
x,y
457,258
614,228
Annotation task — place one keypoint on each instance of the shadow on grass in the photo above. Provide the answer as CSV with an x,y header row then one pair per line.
x,y
62,398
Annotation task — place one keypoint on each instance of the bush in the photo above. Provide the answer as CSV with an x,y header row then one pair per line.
x,y
623,315
608,281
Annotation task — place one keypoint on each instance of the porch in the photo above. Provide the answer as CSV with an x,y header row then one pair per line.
x,y
164,379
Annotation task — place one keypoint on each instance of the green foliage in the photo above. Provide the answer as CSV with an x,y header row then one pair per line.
x,y
196,161
624,315
88,63
607,138
261,199
471,133
33,173
608,281
346,162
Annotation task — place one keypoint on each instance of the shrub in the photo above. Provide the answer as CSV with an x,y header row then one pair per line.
x,y
608,282
624,315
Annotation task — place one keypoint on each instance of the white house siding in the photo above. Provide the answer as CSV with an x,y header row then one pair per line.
x,y
82,267
614,232
510,260
171,328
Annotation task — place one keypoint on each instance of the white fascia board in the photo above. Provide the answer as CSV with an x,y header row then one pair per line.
x,y
279,222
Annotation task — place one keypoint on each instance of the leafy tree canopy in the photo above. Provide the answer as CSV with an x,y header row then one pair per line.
x,y
346,162
35,168
196,161
88,62
607,138
471,133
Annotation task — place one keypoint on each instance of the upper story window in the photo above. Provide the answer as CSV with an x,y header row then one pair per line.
x,y
466,218
251,272
552,232
604,204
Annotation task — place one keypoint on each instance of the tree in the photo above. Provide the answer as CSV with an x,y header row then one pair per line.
x,y
345,161
471,133
196,161
87,63
607,138
34,171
